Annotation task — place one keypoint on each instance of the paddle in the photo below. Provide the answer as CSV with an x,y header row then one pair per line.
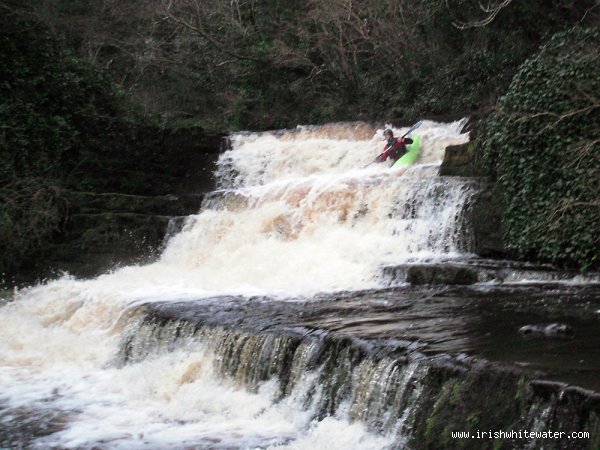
x,y
411,129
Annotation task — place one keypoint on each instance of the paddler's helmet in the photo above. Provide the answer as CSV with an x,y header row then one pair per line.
x,y
388,133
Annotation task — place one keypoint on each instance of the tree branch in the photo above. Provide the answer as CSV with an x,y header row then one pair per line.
x,y
492,12
169,15
588,10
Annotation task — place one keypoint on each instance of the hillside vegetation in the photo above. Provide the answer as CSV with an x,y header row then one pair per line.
x,y
247,64
543,145
83,79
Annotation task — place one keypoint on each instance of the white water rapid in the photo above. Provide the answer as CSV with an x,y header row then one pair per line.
x,y
297,214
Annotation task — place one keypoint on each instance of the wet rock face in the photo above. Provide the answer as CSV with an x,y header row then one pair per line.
x,y
428,320
21,426
440,274
430,274
128,224
460,161
486,210
392,387
485,217
547,330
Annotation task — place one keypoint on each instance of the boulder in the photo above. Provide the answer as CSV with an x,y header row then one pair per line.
x,y
461,161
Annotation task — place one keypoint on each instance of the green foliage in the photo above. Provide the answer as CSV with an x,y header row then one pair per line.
x,y
464,70
52,102
543,145
65,124
58,118
258,65
31,211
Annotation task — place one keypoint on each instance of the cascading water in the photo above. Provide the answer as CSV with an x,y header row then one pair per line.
x,y
84,364
298,215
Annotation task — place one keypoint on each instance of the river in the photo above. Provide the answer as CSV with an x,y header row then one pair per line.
x,y
269,320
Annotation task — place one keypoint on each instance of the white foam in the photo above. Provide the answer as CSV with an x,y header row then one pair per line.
x,y
312,220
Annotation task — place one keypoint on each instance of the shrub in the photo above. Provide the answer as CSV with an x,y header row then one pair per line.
x,y
57,114
543,145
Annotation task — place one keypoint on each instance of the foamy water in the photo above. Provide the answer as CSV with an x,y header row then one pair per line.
x,y
298,215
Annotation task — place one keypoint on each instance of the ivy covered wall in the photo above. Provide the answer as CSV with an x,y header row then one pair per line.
x,y
543,146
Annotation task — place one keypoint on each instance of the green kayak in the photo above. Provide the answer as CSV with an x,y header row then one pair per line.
x,y
411,156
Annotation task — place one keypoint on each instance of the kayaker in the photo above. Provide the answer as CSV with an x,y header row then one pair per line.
x,y
395,147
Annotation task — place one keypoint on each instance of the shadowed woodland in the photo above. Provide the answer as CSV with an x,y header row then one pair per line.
x,y
89,85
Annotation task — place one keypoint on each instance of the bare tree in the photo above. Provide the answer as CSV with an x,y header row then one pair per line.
x,y
491,10
199,17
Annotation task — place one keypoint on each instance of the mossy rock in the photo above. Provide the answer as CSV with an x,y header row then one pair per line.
x,y
440,274
461,161
485,215
94,243
165,205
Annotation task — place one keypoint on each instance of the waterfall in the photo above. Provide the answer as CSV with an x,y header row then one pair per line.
x,y
393,392
297,214
300,218
325,378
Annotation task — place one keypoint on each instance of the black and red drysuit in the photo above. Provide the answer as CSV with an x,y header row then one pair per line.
x,y
395,149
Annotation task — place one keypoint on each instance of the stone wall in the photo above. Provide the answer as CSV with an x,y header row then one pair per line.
x,y
104,230
486,210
